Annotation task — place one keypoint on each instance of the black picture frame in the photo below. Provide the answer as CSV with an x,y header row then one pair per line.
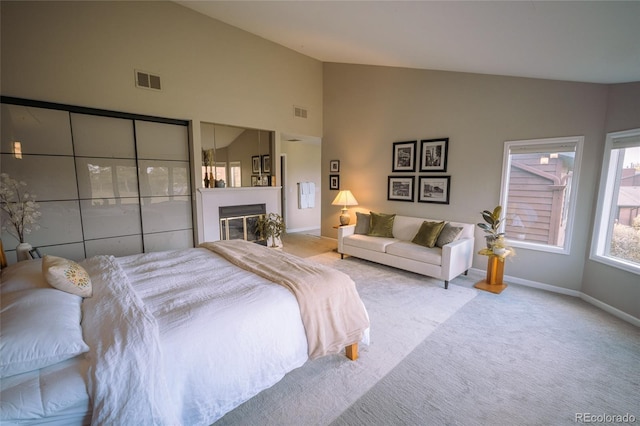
x,y
266,163
255,164
334,166
433,155
434,189
404,156
400,188
334,182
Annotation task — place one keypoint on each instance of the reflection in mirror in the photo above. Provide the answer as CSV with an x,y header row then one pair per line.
x,y
228,156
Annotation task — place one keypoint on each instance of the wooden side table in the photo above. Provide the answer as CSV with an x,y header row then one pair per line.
x,y
495,271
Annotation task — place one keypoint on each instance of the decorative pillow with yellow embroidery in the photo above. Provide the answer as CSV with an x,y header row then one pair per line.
x,y
66,275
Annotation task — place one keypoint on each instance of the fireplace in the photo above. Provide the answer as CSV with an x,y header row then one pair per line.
x,y
239,222
210,200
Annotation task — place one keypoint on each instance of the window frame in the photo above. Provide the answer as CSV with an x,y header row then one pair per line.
x,y
607,190
573,196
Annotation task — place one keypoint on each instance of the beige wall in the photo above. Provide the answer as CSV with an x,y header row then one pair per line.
x,y
85,53
609,285
367,108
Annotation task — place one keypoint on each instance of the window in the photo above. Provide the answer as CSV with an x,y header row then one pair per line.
x,y
539,179
235,174
616,235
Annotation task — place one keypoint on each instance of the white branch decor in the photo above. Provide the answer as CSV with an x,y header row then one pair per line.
x,y
19,210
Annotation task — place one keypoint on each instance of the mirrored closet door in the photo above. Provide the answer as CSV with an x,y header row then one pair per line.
x,y
106,183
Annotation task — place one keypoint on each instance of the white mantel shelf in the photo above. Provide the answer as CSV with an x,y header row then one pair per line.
x,y
211,199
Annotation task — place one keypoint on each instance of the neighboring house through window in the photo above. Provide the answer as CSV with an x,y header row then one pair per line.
x,y
616,235
538,197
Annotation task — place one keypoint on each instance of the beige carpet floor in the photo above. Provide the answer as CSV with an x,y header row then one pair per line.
x,y
404,309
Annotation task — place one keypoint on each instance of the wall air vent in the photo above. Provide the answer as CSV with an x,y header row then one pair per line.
x,y
147,80
299,112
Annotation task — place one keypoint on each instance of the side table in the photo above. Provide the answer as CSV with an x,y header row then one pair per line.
x,y
495,271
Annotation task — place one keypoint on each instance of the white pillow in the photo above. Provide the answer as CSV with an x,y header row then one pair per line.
x,y
23,275
66,275
40,327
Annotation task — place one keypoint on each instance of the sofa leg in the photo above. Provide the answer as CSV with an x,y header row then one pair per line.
x,y
446,284
341,255
466,272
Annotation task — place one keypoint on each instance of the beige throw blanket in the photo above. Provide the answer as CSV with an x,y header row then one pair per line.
x,y
331,309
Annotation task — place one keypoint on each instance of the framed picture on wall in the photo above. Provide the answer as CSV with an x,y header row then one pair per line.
x,y
400,188
266,163
334,182
404,156
334,166
434,189
433,155
255,164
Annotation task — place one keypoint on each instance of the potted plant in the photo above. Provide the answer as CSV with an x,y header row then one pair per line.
x,y
270,227
492,225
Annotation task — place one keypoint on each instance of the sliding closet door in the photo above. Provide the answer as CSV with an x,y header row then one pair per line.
x,y
165,188
107,184
43,159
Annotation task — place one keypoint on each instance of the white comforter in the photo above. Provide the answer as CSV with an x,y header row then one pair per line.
x,y
159,327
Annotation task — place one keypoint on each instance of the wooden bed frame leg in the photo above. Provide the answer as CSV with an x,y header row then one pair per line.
x,y
352,351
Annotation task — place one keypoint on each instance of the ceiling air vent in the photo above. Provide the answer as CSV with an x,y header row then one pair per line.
x,y
147,80
299,112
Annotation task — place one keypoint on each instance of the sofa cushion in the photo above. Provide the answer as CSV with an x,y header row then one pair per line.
x,y
428,233
378,244
362,223
381,225
448,234
415,252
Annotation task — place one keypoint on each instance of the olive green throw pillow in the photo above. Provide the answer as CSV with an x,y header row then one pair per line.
x,y
448,235
362,224
428,233
381,225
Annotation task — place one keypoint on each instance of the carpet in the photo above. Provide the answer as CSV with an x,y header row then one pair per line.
x,y
524,357
404,308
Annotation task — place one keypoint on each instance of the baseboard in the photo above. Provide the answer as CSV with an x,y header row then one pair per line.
x,y
610,309
575,293
312,228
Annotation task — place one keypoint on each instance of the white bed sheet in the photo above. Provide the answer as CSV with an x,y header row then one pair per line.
x,y
202,304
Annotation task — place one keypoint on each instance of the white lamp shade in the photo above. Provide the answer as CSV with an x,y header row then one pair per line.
x,y
345,198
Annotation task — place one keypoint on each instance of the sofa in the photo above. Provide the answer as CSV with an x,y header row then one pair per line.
x,y
401,244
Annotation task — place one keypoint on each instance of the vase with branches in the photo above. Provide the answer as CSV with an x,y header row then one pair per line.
x,y
19,209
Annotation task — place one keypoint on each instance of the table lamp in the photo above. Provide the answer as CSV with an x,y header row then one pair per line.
x,y
345,198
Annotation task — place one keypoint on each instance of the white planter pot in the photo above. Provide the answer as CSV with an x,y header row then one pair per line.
x,y
22,251
499,251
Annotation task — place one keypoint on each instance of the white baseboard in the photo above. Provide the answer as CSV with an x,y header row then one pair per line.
x,y
610,309
555,289
312,228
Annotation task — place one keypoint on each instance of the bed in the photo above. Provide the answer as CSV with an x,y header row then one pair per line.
x,y
178,337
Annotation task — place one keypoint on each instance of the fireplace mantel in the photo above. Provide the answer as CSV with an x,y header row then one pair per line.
x,y
213,198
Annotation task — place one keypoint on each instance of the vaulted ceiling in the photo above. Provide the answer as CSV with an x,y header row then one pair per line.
x,y
586,41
